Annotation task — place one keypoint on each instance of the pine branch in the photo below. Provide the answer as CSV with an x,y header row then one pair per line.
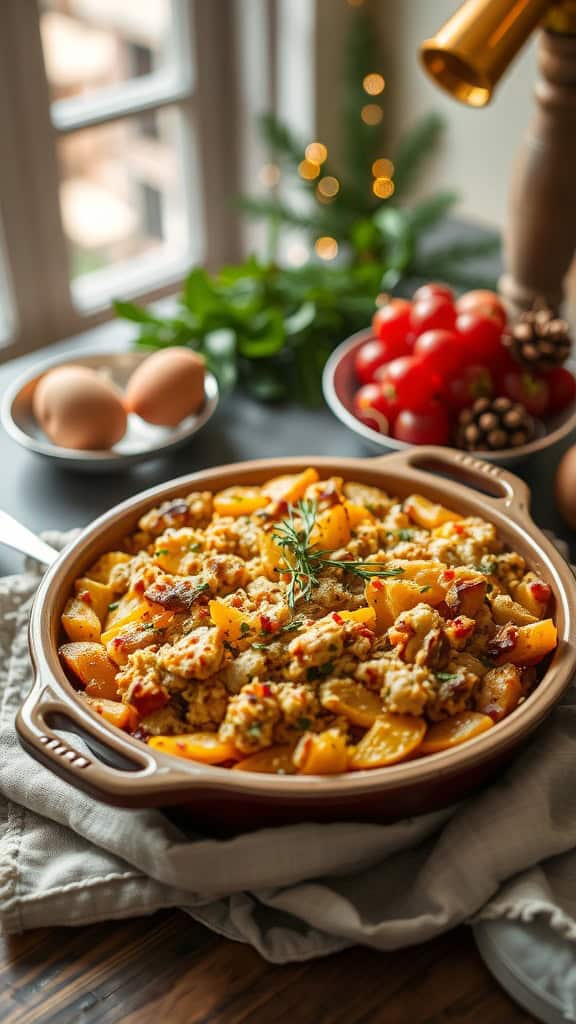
x,y
414,149
430,211
467,249
283,145
258,208
362,142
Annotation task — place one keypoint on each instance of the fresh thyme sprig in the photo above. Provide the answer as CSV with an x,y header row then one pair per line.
x,y
304,562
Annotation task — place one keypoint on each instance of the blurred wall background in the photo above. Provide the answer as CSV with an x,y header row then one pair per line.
x,y
479,146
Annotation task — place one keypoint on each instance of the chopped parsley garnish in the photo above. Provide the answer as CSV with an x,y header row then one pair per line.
x,y
326,668
424,589
407,534
244,628
444,677
291,627
317,671
259,647
487,568
113,606
194,547
162,551
254,730
303,723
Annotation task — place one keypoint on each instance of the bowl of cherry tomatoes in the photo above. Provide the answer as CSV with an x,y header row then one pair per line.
x,y
410,378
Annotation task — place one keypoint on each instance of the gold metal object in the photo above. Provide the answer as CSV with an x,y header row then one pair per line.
x,y
473,49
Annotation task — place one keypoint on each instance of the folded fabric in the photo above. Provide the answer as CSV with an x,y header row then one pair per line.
x,y
295,892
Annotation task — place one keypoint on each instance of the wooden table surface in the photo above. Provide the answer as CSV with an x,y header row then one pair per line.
x,y
167,969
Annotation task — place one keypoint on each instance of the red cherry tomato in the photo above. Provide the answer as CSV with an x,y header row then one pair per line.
x,y
525,387
373,354
435,312
391,322
433,289
409,381
465,387
430,425
442,351
481,337
483,303
375,409
562,388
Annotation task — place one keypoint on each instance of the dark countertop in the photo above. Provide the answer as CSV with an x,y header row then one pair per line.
x,y
44,496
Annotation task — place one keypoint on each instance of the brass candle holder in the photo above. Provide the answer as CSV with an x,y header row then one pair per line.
x,y
467,57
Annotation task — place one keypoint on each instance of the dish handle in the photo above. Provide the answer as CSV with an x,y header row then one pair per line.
x,y
498,485
112,768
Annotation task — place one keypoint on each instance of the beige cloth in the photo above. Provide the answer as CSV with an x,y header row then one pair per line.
x,y
295,892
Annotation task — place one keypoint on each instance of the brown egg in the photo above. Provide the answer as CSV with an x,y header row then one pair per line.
x,y
167,387
78,408
566,487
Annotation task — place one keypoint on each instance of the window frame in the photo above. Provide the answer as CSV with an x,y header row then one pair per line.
x,y
45,305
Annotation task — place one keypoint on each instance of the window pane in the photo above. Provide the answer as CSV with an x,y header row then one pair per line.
x,y
90,45
122,194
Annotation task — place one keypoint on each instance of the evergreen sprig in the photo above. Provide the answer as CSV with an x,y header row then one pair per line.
x,y
271,328
304,562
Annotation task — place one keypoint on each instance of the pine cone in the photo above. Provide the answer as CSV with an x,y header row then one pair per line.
x,y
539,339
494,423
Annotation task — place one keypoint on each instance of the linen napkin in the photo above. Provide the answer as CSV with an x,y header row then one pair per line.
x,y
293,892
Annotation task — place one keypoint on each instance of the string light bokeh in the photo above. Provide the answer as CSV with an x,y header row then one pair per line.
x,y
372,114
326,247
328,187
373,84
383,168
308,170
316,152
383,188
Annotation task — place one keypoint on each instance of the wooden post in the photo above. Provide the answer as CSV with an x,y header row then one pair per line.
x,y
541,233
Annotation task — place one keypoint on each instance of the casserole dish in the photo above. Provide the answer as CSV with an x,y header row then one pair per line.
x,y
123,770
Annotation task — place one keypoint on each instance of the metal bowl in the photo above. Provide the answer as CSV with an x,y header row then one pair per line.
x,y
141,441
339,384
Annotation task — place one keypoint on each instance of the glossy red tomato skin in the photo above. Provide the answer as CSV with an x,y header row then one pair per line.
x,y
484,303
522,386
372,355
473,381
441,350
374,408
434,289
409,382
562,389
430,425
435,312
391,322
481,338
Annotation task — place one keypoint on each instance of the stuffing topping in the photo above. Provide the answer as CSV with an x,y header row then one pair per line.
x,y
307,625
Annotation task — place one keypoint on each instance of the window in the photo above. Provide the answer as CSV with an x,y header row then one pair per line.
x,y
125,213
126,129
115,143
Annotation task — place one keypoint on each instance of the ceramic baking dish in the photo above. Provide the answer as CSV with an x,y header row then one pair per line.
x,y
119,769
